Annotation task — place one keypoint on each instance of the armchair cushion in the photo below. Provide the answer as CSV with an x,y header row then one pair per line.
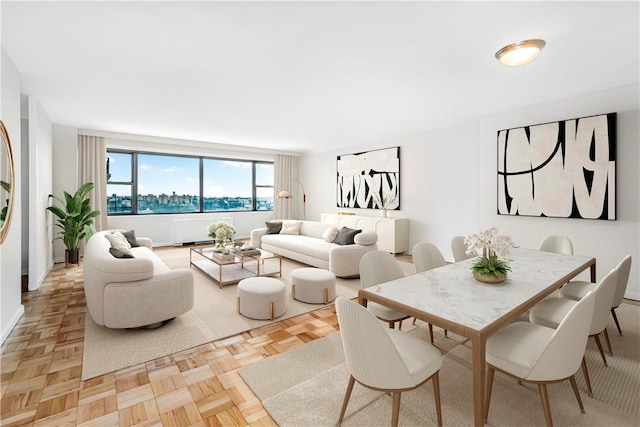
x,y
131,238
121,252
117,240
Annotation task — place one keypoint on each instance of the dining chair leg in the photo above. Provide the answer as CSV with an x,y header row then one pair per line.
x,y
395,412
347,395
435,379
487,391
585,372
574,386
446,333
604,358
544,397
606,337
615,318
400,325
431,332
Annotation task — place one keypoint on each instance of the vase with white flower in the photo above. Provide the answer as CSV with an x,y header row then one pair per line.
x,y
492,265
384,202
222,232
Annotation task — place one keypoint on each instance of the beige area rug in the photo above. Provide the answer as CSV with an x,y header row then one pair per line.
x,y
213,317
312,391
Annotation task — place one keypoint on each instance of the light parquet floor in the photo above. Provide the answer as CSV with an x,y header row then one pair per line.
x,y
42,366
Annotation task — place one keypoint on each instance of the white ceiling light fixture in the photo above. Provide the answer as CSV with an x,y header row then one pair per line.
x,y
520,53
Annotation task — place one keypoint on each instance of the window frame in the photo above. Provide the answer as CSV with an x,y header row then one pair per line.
x,y
134,182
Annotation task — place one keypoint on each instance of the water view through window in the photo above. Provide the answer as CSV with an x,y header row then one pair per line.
x,y
185,184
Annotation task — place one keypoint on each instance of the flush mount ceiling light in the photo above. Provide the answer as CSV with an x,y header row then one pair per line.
x,y
520,53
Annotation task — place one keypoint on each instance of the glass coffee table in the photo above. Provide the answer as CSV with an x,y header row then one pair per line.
x,y
235,267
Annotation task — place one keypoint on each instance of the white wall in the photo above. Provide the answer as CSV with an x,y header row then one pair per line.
x,y
65,172
448,182
40,186
11,307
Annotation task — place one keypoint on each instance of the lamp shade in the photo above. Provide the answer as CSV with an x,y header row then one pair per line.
x,y
284,194
520,53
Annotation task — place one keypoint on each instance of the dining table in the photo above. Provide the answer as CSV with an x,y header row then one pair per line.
x,y
450,297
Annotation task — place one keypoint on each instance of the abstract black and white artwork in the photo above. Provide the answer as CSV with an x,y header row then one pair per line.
x,y
564,169
369,180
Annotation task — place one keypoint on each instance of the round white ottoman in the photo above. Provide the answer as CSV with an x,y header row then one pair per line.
x,y
313,285
261,298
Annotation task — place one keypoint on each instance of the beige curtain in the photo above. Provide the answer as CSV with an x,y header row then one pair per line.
x,y
92,155
282,181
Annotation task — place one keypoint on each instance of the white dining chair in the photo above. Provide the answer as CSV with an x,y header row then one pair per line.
x,y
427,256
378,267
577,289
557,244
551,311
385,359
541,355
459,249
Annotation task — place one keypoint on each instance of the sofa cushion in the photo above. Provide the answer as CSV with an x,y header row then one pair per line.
x,y
290,227
117,240
121,252
346,236
330,234
131,238
273,227
309,246
366,238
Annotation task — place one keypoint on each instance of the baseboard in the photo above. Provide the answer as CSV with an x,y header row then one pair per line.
x,y
6,330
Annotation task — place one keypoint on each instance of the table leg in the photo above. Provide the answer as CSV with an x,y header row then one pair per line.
x,y
478,343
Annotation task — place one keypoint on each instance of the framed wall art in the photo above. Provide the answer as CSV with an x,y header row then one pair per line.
x,y
369,180
563,169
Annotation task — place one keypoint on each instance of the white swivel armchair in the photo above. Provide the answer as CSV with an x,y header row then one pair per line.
x,y
427,256
577,289
459,249
385,359
541,355
378,267
552,311
557,244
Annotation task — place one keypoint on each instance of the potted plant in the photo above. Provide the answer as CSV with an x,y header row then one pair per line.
x,y
75,219
493,265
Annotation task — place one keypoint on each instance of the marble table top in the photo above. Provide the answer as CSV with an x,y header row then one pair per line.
x,y
450,292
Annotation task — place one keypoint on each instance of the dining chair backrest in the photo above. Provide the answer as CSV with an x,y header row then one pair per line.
x,y
604,291
371,356
564,351
378,267
624,267
557,244
459,249
427,256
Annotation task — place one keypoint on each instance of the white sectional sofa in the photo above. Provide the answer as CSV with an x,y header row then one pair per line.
x,y
313,245
133,292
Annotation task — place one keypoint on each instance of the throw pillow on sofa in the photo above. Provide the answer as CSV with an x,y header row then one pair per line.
x,y
117,240
346,236
131,238
330,234
121,252
290,227
273,227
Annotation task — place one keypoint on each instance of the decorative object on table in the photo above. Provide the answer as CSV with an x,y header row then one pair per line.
x,y
361,176
75,219
563,169
222,232
493,265
384,202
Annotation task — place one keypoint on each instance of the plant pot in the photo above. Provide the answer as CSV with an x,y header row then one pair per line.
x,y
492,280
72,256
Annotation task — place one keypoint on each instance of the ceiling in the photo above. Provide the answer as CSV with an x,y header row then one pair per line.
x,y
307,76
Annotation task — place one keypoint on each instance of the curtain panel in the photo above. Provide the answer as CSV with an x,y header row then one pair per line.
x,y
92,155
281,181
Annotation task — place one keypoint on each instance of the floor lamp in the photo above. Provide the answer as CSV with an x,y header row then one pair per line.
x,y
286,194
